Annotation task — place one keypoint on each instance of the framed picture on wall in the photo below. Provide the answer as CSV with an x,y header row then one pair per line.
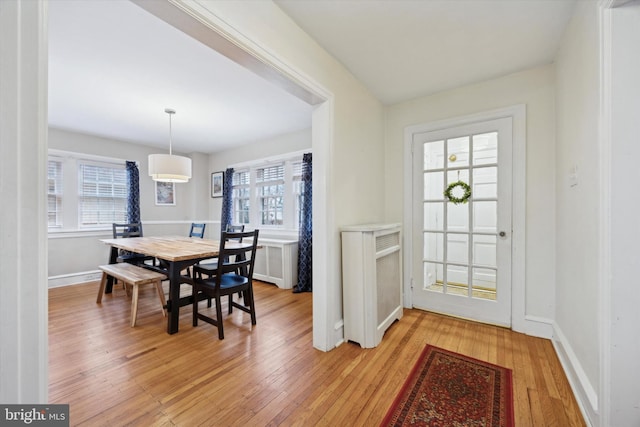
x,y
217,184
165,193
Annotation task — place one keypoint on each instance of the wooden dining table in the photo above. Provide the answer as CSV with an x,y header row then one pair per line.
x,y
178,252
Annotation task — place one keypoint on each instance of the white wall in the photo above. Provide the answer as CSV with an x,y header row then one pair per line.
x,y
624,362
578,207
535,88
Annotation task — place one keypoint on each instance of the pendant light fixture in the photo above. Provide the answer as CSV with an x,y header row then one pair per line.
x,y
167,167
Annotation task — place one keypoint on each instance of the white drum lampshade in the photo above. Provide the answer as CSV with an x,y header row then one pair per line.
x,y
167,167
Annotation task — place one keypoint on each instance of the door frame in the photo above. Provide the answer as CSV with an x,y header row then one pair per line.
x,y
517,113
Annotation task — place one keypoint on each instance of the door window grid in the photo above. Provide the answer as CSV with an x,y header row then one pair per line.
x,y
434,166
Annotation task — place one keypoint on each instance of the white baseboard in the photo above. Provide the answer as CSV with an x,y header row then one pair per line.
x,y
538,327
74,278
583,390
338,329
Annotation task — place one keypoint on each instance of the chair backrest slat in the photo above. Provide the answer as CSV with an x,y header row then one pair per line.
x,y
237,259
133,229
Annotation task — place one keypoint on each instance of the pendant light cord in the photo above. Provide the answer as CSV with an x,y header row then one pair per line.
x,y
170,112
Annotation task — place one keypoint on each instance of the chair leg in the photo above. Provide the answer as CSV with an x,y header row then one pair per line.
x,y
198,275
194,322
163,301
246,303
230,303
134,306
252,303
103,283
219,317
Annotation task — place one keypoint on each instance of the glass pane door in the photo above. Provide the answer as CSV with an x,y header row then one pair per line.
x,y
462,221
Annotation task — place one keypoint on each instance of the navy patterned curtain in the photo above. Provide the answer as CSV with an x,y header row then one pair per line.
x,y
227,190
133,193
306,231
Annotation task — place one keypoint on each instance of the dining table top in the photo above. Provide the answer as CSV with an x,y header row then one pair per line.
x,y
172,248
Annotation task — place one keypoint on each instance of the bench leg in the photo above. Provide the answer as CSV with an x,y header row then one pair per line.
x,y
134,306
103,283
163,301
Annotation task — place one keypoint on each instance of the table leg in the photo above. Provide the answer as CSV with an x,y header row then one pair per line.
x,y
173,304
113,256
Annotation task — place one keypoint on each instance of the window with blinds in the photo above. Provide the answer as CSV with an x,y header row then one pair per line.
x,y
54,193
270,188
102,195
269,194
241,195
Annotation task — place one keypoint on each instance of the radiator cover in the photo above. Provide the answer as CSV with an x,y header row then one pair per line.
x,y
371,281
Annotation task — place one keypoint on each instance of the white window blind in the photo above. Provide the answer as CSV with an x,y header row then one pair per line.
x,y
270,174
102,194
54,193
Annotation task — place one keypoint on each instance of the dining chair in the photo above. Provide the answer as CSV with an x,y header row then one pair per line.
x,y
233,276
210,266
235,228
124,231
197,230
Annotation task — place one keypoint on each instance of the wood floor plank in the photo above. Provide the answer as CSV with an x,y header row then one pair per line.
x,y
268,374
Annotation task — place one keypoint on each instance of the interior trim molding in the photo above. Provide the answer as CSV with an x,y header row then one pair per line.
x,y
583,390
540,327
74,278
198,20
604,255
106,233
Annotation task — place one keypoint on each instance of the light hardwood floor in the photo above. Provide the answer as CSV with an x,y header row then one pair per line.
x,y
268,375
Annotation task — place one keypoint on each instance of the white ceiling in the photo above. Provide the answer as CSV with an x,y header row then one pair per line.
x,y
405,49
114,68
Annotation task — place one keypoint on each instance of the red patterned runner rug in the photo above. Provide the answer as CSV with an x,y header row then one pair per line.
x,y
448,389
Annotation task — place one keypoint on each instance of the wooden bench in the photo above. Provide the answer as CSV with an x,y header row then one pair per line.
x,y
133,276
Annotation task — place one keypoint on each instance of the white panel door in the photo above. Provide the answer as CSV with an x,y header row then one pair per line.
x,y
462,251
